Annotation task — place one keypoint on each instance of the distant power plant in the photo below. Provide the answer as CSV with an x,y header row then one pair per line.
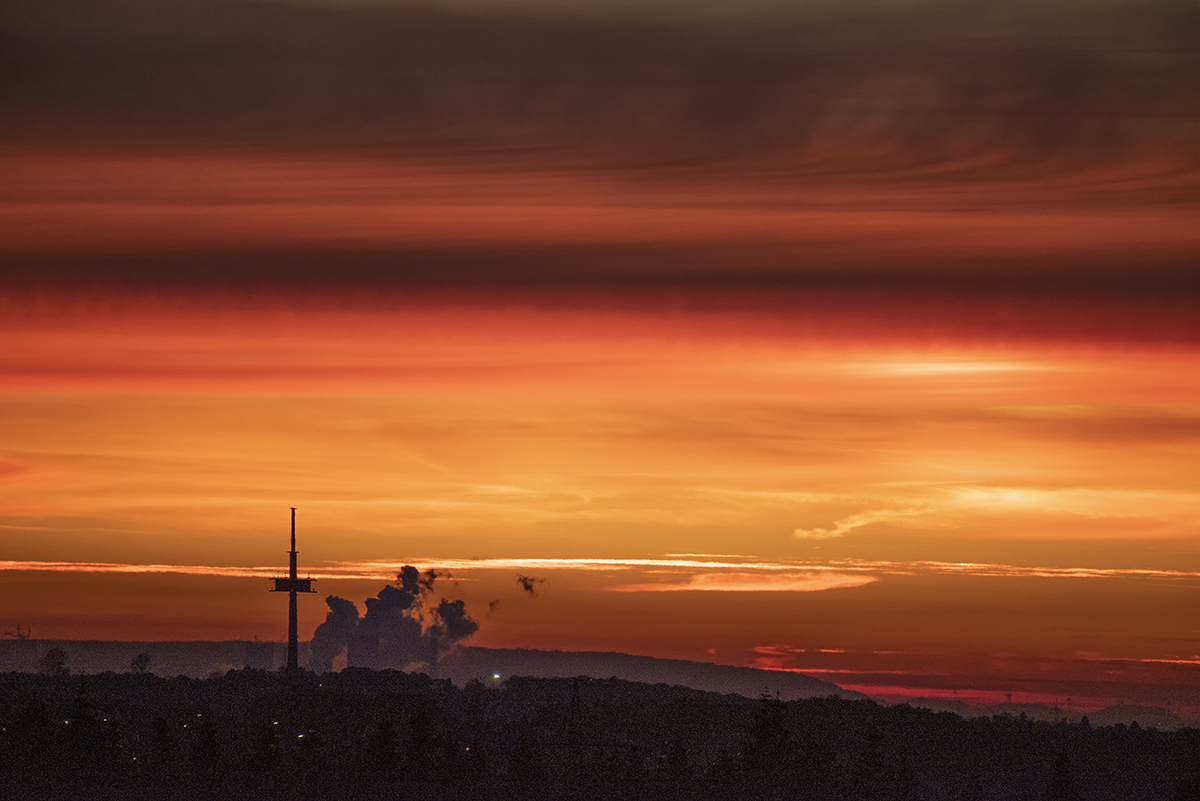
x,y
292,585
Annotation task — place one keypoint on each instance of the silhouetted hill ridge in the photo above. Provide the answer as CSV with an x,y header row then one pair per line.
x,y
468,663
205,659
380,735
202,659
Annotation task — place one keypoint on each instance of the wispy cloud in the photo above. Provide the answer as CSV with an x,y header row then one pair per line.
x,y
962,505
954,367
997,570
712,574
755,582
1093,503
893,516
225,571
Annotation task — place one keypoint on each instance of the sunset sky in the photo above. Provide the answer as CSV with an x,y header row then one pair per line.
x,y
859,342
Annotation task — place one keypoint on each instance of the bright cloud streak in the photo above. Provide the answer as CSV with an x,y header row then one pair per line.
x,y
899,517
777,573
755,582
956,507
933,368
224,571
1082,502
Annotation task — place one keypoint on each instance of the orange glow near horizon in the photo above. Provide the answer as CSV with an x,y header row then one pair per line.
x,y
866,345
156,442
985,468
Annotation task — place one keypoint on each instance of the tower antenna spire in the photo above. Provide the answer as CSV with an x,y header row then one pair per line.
x,y
292,585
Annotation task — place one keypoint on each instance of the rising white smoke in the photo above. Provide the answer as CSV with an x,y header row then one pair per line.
x,y
398,630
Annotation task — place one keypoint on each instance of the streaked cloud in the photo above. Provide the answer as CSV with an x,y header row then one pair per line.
x,y
899,517
1065,679
962,506
935,368
1013,571
1081,501
705,574
221,571
755,582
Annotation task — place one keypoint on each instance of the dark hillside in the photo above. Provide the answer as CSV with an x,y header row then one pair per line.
x,y
468,663
363,734
202,659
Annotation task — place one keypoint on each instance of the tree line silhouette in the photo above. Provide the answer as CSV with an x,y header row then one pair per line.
x,y
366,734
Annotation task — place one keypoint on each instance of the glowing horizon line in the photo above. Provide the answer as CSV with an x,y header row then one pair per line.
x,y
976,695
387,569
218,571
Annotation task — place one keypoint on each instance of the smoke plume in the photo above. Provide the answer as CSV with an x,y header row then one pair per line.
x,y
398,629
331,636
530,584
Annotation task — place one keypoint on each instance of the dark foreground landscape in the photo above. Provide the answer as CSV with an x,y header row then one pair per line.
x,y
363,734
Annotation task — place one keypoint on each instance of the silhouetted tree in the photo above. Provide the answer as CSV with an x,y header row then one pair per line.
x,y
140,663
364,735
770,743
528,765
880,779
674,771
768,758
1187,789
381,756
815,765
972,792
54,663
1061,786
261,755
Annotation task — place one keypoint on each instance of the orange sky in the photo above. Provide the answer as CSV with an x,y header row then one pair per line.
x,y
881,363
986,505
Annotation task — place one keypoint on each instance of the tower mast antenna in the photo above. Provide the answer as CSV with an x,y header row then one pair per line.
x,y
292,585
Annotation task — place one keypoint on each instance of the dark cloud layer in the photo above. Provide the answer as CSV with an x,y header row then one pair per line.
x,y
880,91
992,107
1115,300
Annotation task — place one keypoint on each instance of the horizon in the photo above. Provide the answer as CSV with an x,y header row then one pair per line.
x,y
862,344
493,666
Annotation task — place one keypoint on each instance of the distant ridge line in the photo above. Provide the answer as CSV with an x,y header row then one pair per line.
x,y
469,662
202,658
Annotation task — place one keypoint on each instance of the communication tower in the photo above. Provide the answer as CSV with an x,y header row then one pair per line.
x,y
292,585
